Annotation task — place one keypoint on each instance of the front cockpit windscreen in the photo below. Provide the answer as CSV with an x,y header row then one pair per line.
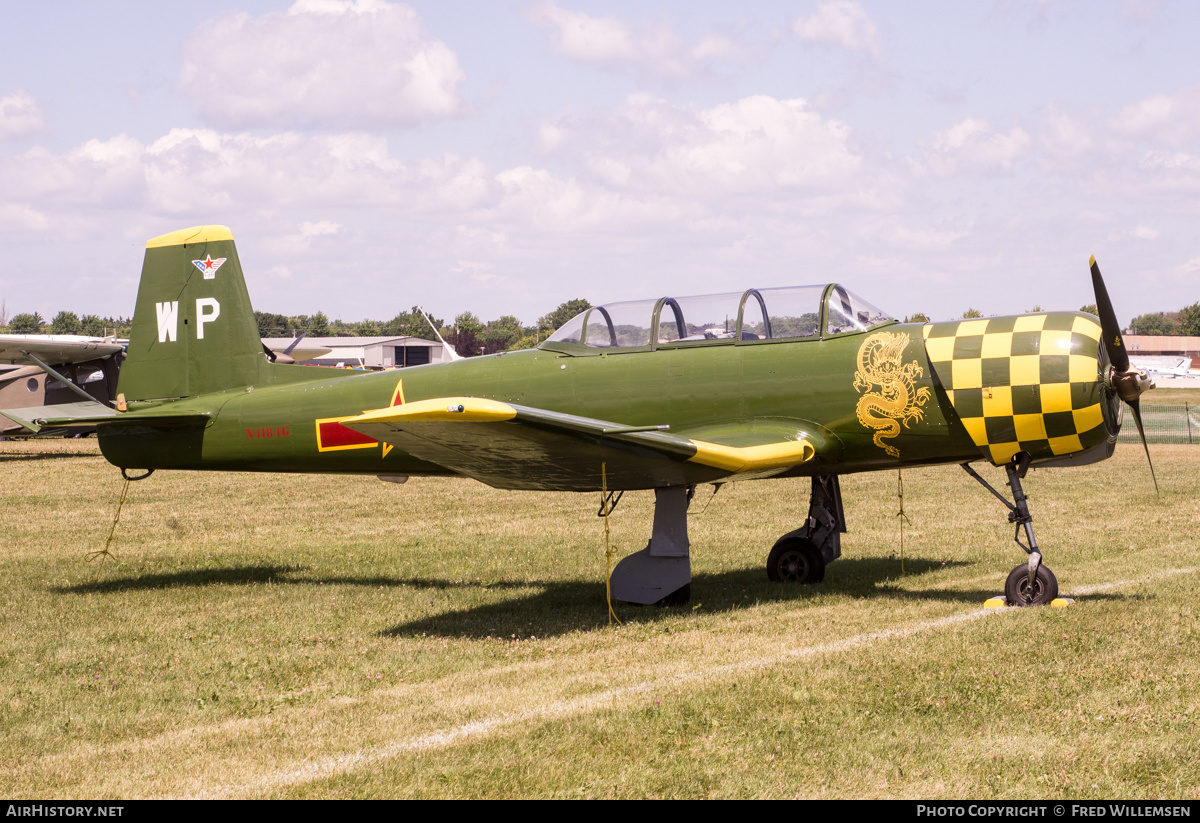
x,y
847,312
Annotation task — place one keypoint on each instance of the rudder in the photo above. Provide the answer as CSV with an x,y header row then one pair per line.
x,y
193,330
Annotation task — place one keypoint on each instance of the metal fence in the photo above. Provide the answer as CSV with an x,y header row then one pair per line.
x,y
1164,424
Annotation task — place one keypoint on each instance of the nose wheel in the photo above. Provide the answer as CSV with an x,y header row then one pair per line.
x,y
1022,591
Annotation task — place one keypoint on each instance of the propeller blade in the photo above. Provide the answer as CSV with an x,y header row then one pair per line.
x,y
1129,384
296,342
1135,407
1109,327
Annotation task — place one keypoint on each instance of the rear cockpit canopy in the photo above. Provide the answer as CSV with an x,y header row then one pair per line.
x,y
753,316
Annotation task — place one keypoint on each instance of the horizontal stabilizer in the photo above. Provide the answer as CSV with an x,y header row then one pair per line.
x,y
68,415
519,447
64,415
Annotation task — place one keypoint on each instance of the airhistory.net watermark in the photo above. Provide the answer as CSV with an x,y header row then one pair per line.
x,y
51,810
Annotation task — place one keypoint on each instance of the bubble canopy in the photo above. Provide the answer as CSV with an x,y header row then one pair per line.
x,y
749,317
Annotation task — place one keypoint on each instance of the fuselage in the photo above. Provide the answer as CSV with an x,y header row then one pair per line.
x,y
741,371
290,422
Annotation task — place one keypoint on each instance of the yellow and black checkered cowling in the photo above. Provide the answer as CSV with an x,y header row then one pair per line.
x,y
1031,383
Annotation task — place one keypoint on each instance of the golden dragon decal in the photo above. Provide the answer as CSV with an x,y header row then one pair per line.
x,y
898,399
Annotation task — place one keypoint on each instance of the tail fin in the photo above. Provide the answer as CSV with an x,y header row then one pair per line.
x,y
194,330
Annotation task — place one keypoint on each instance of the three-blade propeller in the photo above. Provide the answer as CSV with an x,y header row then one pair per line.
x,y
1129,384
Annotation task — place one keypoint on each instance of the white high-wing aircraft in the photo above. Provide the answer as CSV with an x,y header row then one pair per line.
x,y
56,370
1166,365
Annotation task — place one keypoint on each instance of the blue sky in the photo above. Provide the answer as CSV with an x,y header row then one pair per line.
x,y
501,158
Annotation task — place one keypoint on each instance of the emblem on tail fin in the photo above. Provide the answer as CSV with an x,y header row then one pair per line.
x,y
209,266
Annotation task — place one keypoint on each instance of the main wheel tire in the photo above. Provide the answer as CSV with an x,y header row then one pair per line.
x,y
679,597
1020,593
795,560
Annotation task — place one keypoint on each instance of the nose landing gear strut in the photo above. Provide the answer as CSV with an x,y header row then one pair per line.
x,y
1030,584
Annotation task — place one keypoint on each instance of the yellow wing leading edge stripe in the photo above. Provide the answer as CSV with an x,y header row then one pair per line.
x,y
442,409
1027,383
480,410
753,458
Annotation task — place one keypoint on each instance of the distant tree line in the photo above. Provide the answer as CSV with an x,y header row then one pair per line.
x,y
469,335
65,322
1183,322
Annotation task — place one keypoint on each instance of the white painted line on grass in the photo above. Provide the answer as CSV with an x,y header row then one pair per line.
x,y
326,767
329,766
1120,584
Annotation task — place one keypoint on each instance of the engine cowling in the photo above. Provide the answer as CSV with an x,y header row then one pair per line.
x,y
1035,383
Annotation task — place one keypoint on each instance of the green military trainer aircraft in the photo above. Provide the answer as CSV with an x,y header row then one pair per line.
x,y
662,394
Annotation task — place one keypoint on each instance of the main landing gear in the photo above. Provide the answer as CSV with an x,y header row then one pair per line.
x,y
800,556
1030,584
661,573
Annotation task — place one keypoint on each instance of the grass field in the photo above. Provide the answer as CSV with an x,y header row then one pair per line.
x,y
273,636
1169,415
1167,395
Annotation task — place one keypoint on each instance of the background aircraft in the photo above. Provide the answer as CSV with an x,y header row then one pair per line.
x,y
662,394
289,353
1166,366
54,369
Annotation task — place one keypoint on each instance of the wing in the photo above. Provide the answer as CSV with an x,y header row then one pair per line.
x,y
54,349
519,447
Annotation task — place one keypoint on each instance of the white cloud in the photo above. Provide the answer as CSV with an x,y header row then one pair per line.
x,y
309,230
1143,12
1190,267
98,172
24,217
537,200
20,115
583,37
756,145
1163,177
1170,163
1166,119
477,271
972,147
324,63
190,171
843,24
923,239
1065,136
608,41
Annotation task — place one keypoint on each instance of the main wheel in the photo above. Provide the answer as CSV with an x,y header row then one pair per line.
x,y
1019,591
795,560
679,597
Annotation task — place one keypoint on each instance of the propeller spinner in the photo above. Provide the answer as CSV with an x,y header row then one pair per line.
x,y
1129,384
